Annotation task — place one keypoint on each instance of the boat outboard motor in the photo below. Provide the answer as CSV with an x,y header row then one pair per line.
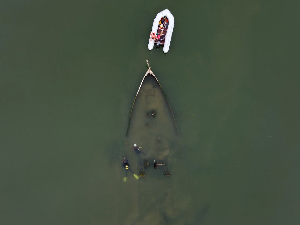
x,y
158,44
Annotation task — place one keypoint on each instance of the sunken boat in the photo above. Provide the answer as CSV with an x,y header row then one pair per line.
x,y
151,123
154,198
151,141
162,30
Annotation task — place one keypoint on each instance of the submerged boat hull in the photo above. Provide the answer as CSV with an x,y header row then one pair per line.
x,y
154,199
154,133
157,136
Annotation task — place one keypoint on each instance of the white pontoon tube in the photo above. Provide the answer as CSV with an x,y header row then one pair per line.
x,y
168,37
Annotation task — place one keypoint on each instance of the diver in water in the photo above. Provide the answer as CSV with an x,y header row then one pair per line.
x,y
137,149
152,114
157,164
126,166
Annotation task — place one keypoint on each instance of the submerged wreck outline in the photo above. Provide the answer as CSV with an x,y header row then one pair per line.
x,y
150,72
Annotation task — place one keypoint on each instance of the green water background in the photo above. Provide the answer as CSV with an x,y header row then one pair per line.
x,y
69,72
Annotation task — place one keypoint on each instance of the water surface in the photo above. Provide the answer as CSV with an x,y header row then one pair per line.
x,y
70,70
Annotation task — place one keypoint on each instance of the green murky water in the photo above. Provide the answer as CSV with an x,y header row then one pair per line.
x,y
69,72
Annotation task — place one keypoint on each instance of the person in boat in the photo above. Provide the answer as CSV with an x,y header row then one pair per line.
x,y
152,35
166,25
161,36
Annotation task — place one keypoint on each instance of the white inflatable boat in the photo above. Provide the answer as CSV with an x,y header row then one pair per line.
x,y
162,30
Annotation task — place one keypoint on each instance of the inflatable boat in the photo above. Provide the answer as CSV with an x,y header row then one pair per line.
x,y
162,30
